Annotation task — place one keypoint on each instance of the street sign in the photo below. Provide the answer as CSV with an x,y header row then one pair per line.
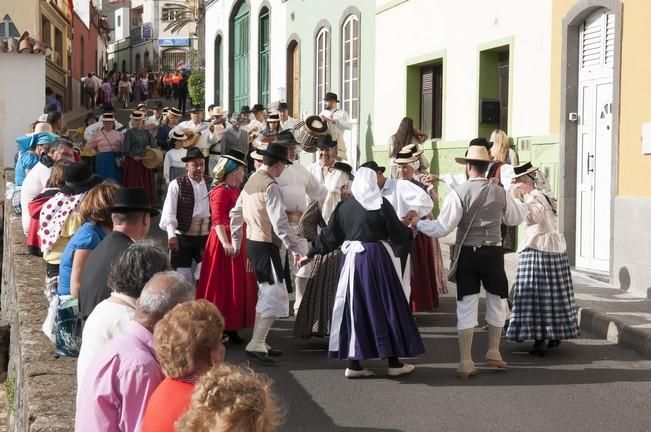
x,y
170,42
146,32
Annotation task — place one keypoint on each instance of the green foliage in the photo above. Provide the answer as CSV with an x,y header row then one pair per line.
x,y
10,389
197,87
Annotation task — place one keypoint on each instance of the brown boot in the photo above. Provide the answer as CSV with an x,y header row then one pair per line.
x,y
466,366
493,356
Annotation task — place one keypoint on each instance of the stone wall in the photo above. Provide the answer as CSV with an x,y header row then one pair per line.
x,y
45,385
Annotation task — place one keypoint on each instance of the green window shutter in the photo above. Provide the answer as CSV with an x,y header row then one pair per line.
x,y
241,57
263,58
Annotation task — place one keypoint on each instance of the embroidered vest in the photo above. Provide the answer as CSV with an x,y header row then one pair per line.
x,y
185,203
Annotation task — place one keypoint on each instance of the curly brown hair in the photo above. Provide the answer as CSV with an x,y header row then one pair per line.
x,y
96,203
231,398
186,338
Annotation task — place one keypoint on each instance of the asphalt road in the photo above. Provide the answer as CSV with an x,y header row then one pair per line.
x,y
585,385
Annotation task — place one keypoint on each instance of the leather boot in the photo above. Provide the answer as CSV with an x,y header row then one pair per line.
x,y
493,356
466,365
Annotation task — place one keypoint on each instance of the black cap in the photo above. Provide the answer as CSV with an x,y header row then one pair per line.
x,y
245,109
373,165
257,108
193,153
331,96
79,179
196,108
283,106
343,167
325,141
286,137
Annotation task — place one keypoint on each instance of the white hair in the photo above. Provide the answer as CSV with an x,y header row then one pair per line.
x,y
333,182
156,301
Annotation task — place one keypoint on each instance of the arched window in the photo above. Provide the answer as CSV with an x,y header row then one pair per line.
x,y
218,70
322,79
350,47
147,64
115,67
239,56
263,57
124,66
137,64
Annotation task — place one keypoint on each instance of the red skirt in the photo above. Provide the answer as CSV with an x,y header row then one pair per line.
x,y
136,175
424,289
229,283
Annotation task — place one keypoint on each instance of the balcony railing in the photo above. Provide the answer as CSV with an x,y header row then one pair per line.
x,y
140,34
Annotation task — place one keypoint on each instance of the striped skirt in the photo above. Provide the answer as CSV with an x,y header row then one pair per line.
x,y
543,302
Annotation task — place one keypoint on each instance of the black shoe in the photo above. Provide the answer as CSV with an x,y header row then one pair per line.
x,y
262,357
554,343
274,352
538,348
234,338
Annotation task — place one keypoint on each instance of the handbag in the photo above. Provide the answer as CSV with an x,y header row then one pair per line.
x,y
452,273
119,160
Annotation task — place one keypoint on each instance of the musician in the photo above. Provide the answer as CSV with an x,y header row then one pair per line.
x,y
245,111
258,122
297,187
186,215
196,125
154,121
338,122
218,125
270,133
286,122
327,158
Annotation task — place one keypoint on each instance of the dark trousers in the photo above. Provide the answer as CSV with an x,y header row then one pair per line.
x,y
481,266
190,249
182,99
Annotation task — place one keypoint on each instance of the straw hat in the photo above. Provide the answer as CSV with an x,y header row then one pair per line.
x,y
137,115
475,153
257,156
217,111
178,135
408,154
108,117
524,169
174,112
42,127
152,158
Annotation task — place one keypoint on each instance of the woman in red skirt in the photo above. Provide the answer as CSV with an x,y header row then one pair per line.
x,y
136,140
224,278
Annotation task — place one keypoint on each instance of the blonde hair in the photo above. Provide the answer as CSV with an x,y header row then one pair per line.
x,y
500,148
231,398
96,203
187,336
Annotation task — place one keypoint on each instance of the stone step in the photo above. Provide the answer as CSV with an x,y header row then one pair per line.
x,y
4,410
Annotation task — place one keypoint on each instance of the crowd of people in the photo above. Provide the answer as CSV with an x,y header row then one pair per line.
x,y
246,225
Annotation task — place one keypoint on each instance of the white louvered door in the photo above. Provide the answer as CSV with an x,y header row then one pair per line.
x,y
594,141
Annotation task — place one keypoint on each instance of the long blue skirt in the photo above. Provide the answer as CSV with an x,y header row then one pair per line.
x,y
105,166
384,325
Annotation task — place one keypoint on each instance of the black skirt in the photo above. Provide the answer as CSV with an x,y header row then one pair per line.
x,y
262,255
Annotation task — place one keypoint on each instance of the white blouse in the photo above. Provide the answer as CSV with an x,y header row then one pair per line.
x,y
541,231
173,159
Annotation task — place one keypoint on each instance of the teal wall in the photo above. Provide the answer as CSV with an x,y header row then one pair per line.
x,y
303,18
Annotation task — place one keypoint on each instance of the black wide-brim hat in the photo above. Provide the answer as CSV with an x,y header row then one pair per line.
x,y
79,179
133,199
283,106
343,167
286,137
245,109
193,153
373,165
196,109
326,141
331,96
276,151
236,156
257,108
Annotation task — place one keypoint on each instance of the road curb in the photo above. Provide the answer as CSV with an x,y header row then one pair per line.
x,y
602,325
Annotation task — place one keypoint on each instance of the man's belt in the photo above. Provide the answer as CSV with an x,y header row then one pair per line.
x,y
198,227
294,217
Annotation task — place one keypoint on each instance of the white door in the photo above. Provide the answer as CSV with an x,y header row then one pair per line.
x,y
594,142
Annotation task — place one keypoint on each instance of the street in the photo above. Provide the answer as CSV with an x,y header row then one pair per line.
x,y
587,384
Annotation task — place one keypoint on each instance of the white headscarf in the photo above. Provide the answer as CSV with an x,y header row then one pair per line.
x,y
365,189
333,182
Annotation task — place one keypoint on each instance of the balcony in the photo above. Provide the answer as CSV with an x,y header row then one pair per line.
x,y
141,34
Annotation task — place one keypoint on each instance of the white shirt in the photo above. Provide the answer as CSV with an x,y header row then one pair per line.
x,y
452,212
95,127
405,196
298,186
277,215
33,185
317,171
173,159
106,321
255,124
207,138
201,209
290,123
343,123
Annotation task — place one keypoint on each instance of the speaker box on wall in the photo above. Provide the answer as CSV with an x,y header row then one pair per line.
x,y
489,111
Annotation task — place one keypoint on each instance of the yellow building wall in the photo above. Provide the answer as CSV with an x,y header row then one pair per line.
x,y
25,15
635,91
635,94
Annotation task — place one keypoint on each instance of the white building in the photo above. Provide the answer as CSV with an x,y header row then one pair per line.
x,y
246,53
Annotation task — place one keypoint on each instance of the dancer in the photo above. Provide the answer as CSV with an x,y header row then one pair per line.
x,y
477,207
224,279
136,139
371,316
543,302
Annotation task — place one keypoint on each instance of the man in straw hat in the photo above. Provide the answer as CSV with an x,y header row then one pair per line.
x,y
197,126
476,208
298,187
338,122
261,206
186,215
